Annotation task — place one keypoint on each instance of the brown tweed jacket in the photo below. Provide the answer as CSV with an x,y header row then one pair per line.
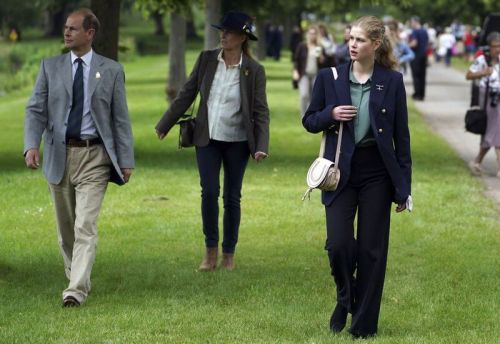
x,y
253,101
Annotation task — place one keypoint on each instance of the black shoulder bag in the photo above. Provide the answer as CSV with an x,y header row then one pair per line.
x,y
187,122
475,117
186,129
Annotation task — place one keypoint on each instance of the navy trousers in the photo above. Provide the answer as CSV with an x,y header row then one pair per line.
x,y
358,263
418,73
233,156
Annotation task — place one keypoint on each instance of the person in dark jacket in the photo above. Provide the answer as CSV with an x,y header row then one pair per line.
x,y
369,98
232,123
309,59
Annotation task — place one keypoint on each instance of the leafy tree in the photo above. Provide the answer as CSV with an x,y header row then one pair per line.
x,y
16,14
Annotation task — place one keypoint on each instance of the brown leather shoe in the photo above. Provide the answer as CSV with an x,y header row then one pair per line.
x,y
70,301
209,261
227,262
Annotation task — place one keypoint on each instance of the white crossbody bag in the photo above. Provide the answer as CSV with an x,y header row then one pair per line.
x,y
324,174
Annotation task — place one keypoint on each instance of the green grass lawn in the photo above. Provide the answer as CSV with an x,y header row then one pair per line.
x,y
442,276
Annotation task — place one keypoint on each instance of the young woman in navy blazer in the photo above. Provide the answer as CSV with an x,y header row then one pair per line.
x,y
369,98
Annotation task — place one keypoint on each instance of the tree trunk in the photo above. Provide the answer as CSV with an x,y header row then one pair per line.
x,y
158,20
212,16
108,13
176,52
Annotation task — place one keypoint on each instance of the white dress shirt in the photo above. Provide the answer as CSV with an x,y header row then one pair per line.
x,y
88,130
494,79
225,121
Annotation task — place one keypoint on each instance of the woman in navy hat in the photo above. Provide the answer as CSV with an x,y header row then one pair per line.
x,y
232,124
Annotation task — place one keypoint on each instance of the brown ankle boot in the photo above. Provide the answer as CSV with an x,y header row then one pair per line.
x,y
227,262
209,261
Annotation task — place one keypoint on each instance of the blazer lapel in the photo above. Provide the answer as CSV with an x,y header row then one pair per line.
x,y
378,91
343,90
95,73
244,77
67,73
209,74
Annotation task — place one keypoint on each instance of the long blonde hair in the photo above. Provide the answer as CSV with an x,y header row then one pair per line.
x,y
375,30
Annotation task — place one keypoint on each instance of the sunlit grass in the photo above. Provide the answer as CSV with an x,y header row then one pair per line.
x,y
442,277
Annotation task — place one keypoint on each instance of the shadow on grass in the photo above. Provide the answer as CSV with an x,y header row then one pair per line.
x,y
141,277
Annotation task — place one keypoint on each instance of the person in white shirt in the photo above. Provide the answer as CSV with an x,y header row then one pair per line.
x,y
446,41
232,123
487,70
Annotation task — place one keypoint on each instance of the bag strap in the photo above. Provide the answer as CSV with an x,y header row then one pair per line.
x,y
323,142
485,104
341,129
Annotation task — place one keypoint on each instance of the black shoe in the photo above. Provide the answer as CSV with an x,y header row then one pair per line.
x,y
338,318
359,335
70,301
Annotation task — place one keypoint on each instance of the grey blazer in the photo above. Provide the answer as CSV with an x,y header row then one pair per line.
x,y
48,110
253,101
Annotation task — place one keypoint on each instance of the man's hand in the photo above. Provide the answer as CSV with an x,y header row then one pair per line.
x,y
259,156
32,158
127,172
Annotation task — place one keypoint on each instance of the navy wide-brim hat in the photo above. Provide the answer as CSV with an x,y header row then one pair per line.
x,y
237,21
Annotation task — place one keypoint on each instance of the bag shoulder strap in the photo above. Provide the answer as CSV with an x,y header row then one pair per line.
x,y
485,104
341,129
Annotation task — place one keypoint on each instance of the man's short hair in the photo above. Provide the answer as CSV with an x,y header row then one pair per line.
x,y
416,19
90,20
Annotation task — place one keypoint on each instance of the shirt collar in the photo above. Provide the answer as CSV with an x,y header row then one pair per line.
x,y
220,59
353,79
86,58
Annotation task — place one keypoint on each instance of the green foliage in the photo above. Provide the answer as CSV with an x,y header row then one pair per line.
x,y
149,44
443,12
442,277
165,6
14,12
22,63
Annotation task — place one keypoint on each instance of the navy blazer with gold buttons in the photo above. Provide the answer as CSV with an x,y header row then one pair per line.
x,y
388,122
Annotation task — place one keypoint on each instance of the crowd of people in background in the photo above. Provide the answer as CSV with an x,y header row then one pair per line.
x,y
444,42
416,44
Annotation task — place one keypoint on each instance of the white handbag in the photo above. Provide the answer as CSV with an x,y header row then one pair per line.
x,y
324,174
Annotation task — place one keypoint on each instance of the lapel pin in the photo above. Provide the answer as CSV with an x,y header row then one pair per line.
x,y
97,75
379,87
246,72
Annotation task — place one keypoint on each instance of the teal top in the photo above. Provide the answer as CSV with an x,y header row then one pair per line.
x,y
360,95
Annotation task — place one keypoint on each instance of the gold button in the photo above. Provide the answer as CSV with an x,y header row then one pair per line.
x,y
380,130
383,110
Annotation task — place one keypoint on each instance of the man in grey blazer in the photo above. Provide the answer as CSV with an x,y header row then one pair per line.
x,y
79,107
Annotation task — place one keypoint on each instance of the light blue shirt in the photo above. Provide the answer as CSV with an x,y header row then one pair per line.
x,y
88,130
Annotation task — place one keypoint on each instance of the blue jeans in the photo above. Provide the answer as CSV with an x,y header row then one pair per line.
x,y
233,156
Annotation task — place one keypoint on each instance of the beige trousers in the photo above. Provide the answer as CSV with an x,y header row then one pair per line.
x,y
77,201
